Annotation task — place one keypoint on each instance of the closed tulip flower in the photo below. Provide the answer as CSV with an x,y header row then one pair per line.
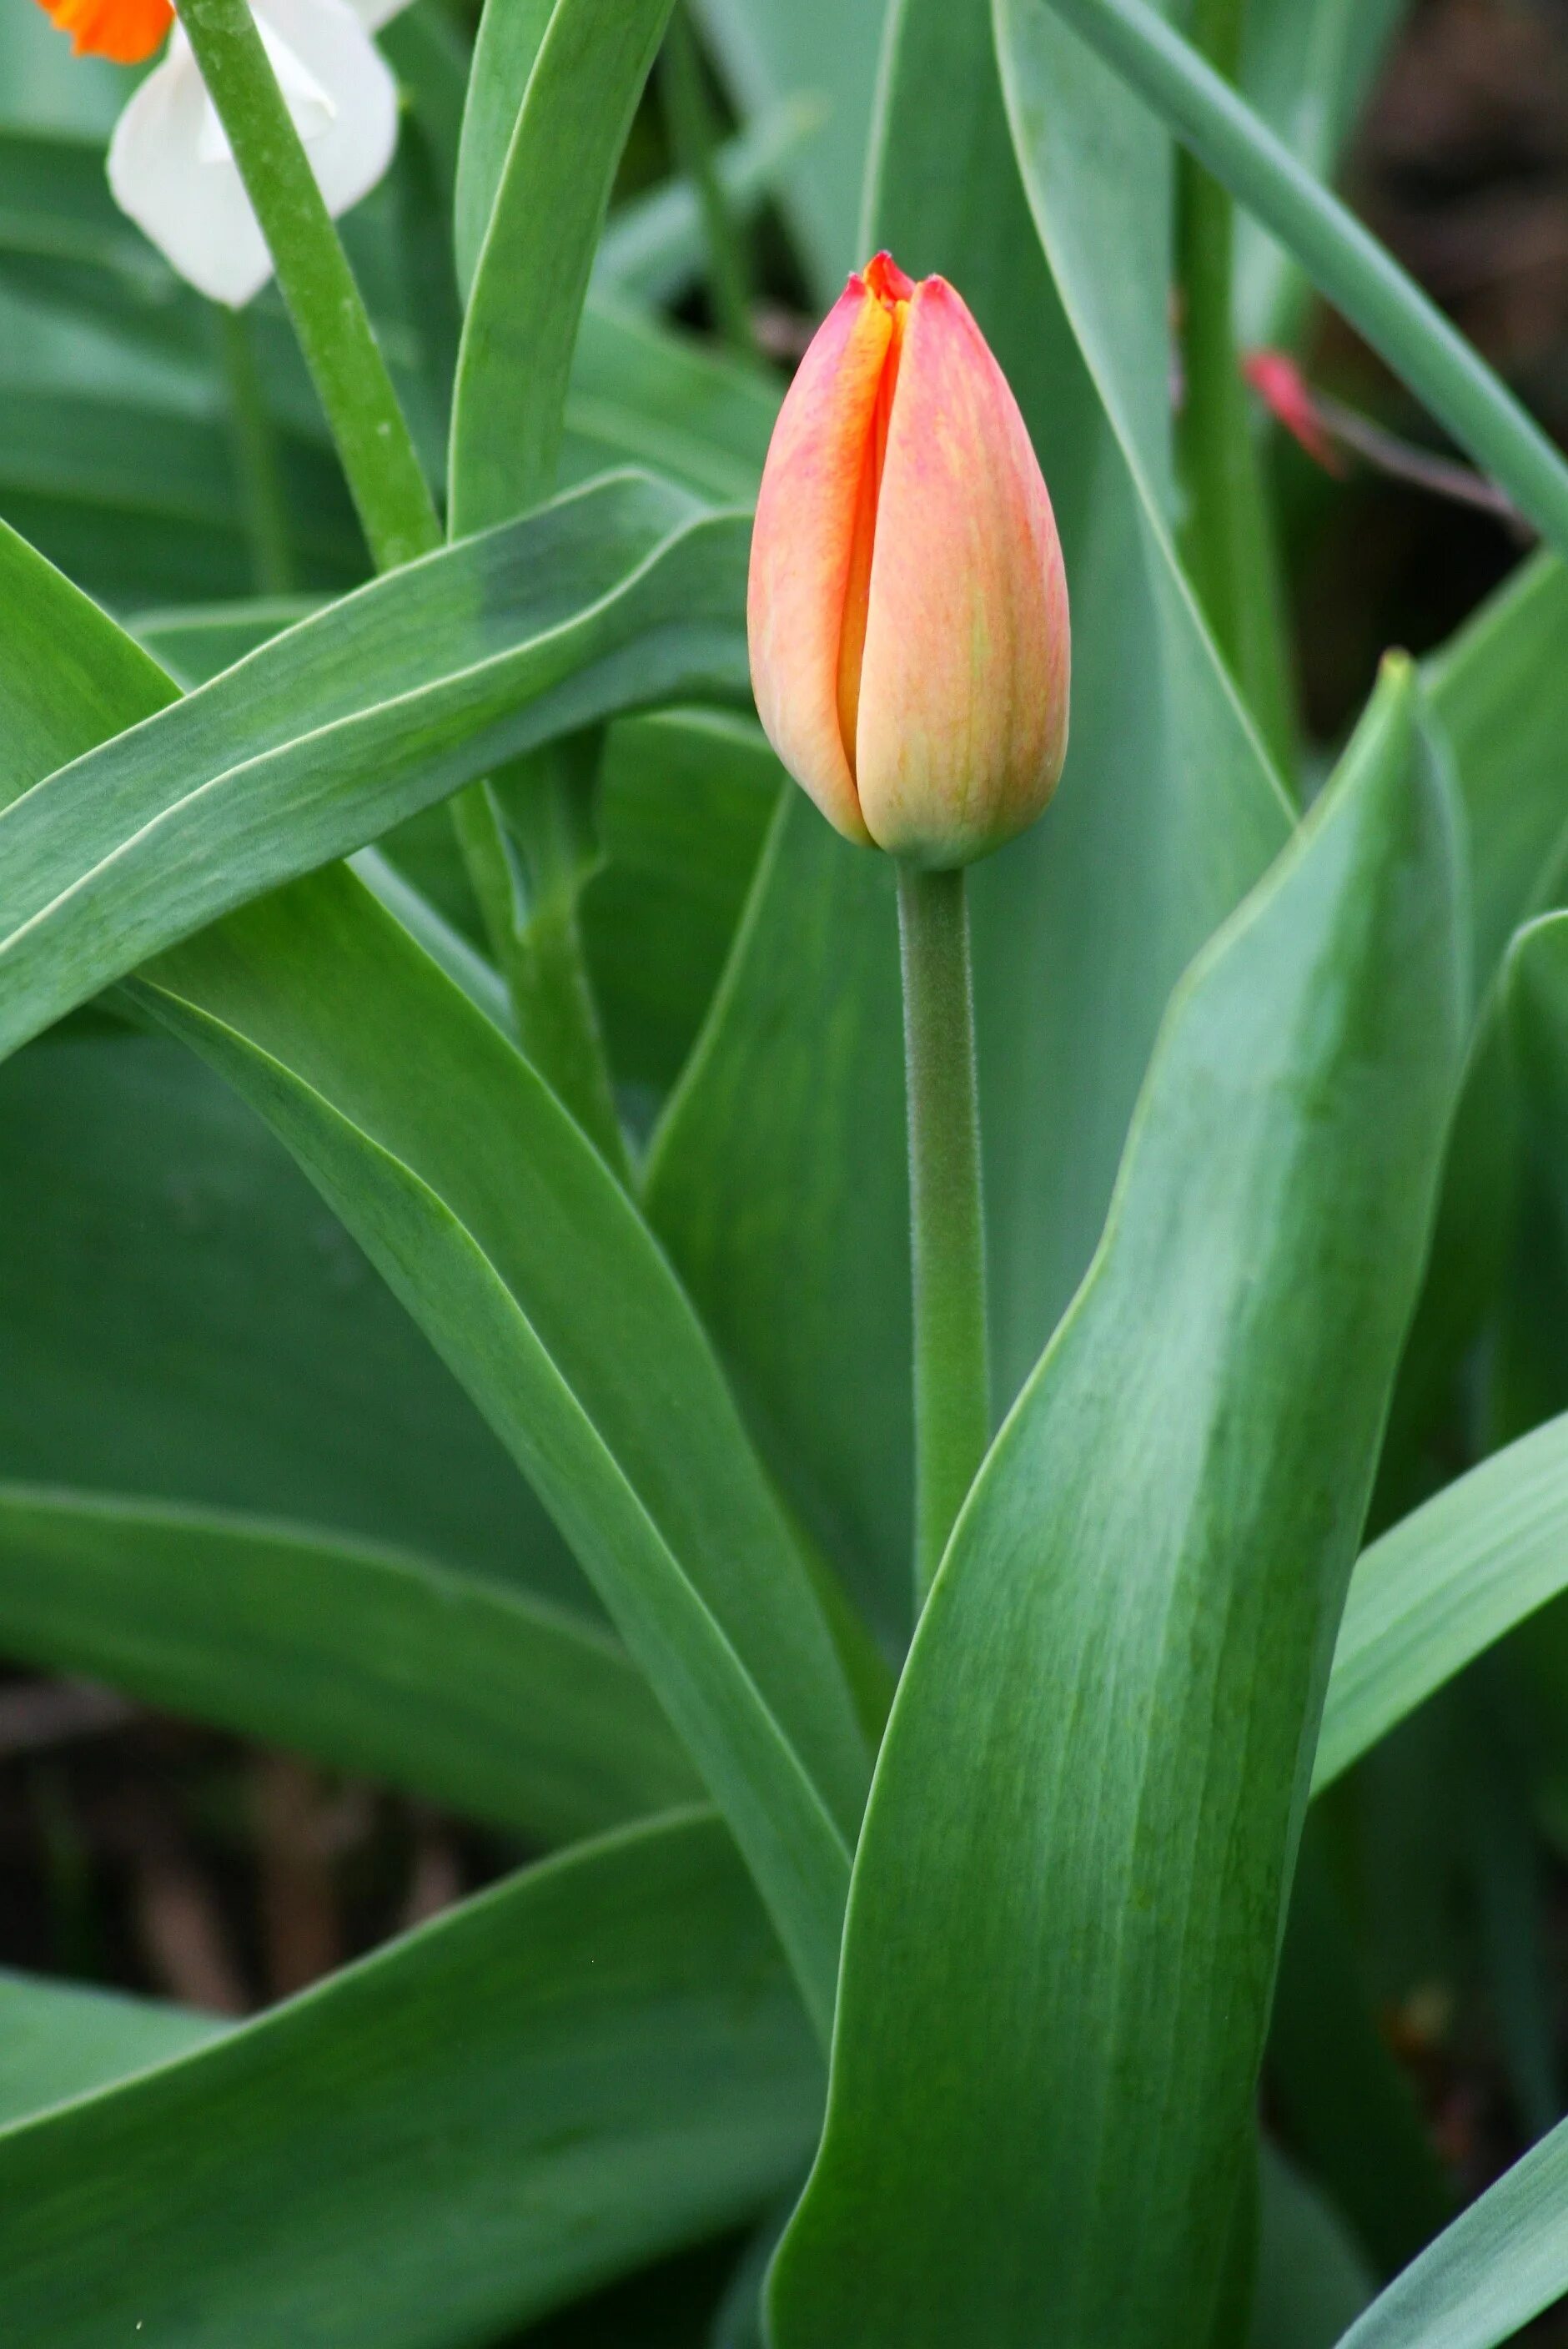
x,y
907,609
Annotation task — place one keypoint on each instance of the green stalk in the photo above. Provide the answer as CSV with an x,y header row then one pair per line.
x,y
385,479
1356,273
367,425
689,120
263,498
951,1377
1224,536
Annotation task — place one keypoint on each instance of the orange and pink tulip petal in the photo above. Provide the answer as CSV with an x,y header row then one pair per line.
x,y
907,609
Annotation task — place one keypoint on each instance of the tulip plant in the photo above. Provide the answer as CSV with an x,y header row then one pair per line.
x,y
937,1398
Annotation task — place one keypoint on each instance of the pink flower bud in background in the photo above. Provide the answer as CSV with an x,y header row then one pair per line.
x,y
907,609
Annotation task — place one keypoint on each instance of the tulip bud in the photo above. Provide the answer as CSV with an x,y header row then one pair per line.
x,y
907,606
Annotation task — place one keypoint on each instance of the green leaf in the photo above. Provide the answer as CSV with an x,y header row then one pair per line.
x,y
1356,273
59,2042
686,801
1502,696
384,703
515,1247
510,34
366,1660
531,274
184,1319
597,2062
1061,2000
1500,2264
1458,1574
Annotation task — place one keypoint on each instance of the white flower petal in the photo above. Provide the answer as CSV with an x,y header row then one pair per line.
x,y
198,214
179,185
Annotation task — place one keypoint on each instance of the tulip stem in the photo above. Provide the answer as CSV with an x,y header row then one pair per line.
x,y
952,1381
385,477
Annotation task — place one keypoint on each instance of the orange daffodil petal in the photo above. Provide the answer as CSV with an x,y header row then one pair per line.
x,y
126,31
908,609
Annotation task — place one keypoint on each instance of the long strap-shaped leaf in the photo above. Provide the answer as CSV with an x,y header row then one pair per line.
x,y
1068,1888
615,595
595,2063
1443,1586
1357,273
508,1708
59,2041
531,276
517,1251
1488,2274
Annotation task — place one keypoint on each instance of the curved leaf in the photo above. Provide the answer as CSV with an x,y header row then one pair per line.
x,y
325,737
1500,2264
1441,1587
58,2040
534,265
1068,1891
366,1660
511,1242
597,2062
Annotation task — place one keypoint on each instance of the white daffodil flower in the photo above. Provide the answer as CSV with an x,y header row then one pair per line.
x,y
169,165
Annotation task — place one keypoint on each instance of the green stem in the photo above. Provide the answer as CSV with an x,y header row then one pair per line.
x,y
367,425
952,1382
385,480
262,498
690,119
1224,538
1356,273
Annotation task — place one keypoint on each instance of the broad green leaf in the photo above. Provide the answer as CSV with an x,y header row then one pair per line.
x,y
372,1661
785,1147
596,2062
1500,2264
778,1181
59,2042
180,1319
532,269
613,596
822,55
1450,1579
1502,694
515,1247
1069,1890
